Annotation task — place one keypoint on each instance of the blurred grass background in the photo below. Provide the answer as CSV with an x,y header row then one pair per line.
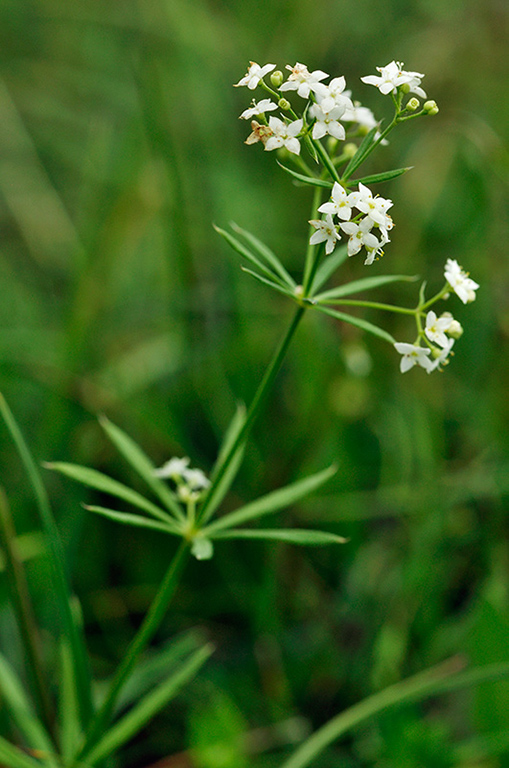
x,y
119,146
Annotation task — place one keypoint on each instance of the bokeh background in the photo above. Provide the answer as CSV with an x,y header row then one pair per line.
x,y
120,144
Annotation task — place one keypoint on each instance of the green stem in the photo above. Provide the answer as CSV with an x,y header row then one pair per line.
x,y
373,304
145,633
23,609
437,297
252,413
312,253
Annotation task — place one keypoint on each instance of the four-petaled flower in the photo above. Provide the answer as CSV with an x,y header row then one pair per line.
x,y
437,327
174,469
325,232
413,355
460,282
258,108
360,235
254,74
327,121
340,203
284,135
303,81
393,76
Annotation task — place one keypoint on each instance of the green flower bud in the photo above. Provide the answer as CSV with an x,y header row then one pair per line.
x,y
284,104
430,107
413,104
277,78
350,149
405,88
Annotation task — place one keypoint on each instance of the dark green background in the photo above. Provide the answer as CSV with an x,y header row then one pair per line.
x,y
120,144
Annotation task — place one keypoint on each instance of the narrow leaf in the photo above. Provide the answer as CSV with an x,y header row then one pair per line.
x,y
62,590
378,177
152,703
432,682
264,280
265,252
68,712
311,180
271,502
248,255
137,520
289,535
356,286
101,482
236,425
368,327
12,757
20,708
140,462
329,266
359,155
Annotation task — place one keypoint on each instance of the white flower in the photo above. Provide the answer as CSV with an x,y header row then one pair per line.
x,y
436,328
327,122
258,108
360,234
441,358
340,203
303,81
374,207
330,96
196,479
413,355
254,74
459,281
175,469
393,77
284,135
325,231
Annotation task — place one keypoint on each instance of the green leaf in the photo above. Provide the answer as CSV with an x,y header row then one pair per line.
x,y
432,682
356,286
62,591
226,481
137,520
68,711
378,177
271,502
311,180
329,266
265,252
289,535
12,757
264,280
152,703
101,482
20,708
368,327
249,255
140,462
363,149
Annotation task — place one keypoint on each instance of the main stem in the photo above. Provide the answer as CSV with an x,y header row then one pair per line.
x,y
146,632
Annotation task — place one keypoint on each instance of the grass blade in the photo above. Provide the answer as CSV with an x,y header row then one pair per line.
x,y
101,482
12,757
222,488
271,502
289,535
140,462
21,710
129,519
441,679
152,703
265,252
61,586
329,266
357,321
365,284
68,710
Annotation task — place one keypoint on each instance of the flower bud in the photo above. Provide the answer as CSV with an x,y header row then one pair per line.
x,y
430,107
405,88
332,145
277,78
413,104
350,149
455,329
284,104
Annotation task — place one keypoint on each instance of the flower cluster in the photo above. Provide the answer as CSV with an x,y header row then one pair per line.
x,y
359,228
439,333
190,482
393,77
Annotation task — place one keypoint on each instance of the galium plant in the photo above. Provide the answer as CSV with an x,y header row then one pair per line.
x,y
326,136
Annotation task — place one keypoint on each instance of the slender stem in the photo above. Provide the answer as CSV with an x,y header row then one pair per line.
x,y
437,297
312,253
23,609
252,413
145,633
374,304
